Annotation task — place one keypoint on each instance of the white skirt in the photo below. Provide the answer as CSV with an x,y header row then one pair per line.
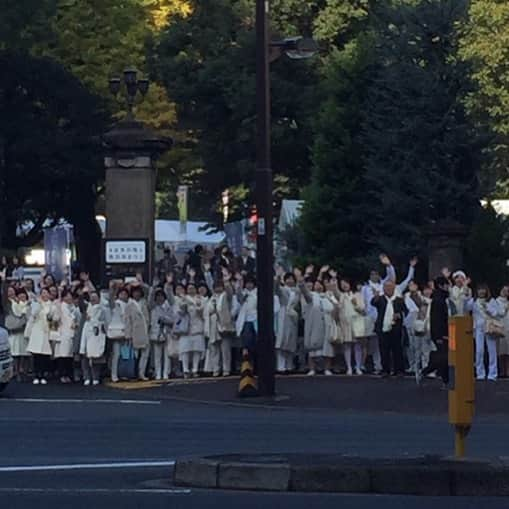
x,y
19,344
194,343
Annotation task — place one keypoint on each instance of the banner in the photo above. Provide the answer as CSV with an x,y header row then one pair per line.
x,y
235,236
56,245
182,208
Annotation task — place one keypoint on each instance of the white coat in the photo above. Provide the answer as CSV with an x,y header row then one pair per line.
x,y
38,328
137,322
194,341
93,338
70,317
288,326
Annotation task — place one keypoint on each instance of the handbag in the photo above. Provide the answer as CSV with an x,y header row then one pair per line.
x,y
495,328
127,362
182,325
14,323
419,327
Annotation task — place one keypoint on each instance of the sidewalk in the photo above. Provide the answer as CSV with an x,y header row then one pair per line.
x,y
427,475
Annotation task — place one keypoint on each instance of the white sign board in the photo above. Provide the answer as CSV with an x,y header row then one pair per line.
x,y
125,251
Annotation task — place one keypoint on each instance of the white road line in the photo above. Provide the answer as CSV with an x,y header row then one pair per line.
x,y
88,466
146,491
71,400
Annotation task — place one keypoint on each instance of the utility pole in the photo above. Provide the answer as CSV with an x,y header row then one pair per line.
x,y
264,239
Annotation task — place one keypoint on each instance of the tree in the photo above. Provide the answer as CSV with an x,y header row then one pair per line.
x,y
333,230
49,166
421,151
484,43
207,63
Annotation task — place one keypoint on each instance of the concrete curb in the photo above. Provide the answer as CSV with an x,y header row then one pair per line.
x,y
425,476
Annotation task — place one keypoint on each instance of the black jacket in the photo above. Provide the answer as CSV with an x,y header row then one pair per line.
x,y
380,303
439,315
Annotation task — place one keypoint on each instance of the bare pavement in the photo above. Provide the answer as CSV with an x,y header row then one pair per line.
x,y
114,446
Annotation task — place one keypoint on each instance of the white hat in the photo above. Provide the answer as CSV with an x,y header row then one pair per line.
x,y
459,273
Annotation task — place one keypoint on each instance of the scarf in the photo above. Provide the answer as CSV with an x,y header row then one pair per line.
x,y
389,313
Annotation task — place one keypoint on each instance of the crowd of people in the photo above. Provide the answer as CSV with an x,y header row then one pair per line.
x,y
201,318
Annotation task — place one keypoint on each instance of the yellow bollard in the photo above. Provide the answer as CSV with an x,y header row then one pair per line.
x,y
461,379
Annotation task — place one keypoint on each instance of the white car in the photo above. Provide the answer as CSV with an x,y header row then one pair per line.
x,y
5,360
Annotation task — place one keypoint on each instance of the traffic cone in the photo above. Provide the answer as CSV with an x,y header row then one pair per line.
x,y
247,386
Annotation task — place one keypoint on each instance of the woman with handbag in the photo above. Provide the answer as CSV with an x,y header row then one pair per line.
x,y
38,332
487,329
16,310
161,323
118,299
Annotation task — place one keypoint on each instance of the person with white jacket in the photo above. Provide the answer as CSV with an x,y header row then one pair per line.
x,y
69,319
219,327
38,332
93,339
485,309
118,299
162,319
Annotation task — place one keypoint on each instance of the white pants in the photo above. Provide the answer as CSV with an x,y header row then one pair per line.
x,y
374,351
142,354
220,356
347,352
162,362
284,360
414,352
482,341
190,357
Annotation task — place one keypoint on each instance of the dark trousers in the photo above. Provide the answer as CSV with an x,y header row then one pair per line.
x,y
41,365
391,349
65,366
439,361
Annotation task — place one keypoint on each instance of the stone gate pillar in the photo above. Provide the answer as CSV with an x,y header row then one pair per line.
x,y
131,150
446,246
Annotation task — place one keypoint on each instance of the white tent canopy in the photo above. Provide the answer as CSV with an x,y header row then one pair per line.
x,y
169,231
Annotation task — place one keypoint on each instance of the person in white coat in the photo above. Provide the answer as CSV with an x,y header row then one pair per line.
x,y
503,344
459,293
69,320
38,332
93,339
318,323
219,327
118,299
192,339
485,309
162,319
137,323
413,351
288,323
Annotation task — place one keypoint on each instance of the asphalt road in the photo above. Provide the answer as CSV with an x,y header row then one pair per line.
x,y
48,426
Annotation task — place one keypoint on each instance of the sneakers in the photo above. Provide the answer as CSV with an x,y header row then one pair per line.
x,y
311,372
114,380
358,371
328,372
36,381
226,373
44,381
349,372
86,383
96,382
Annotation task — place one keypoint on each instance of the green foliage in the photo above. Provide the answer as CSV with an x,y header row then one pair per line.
x,y
488,249
421,151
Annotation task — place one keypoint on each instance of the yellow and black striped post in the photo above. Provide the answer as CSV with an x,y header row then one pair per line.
x,y
248,388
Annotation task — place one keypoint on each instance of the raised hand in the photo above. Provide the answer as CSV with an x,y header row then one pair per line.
x,y
324,269
446,272
298,274
385,260
414,261
310,269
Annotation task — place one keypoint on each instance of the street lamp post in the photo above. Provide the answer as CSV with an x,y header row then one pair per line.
x,y
266,52
264,256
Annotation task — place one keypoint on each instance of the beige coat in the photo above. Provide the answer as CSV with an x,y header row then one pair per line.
x,y
70,317
137,322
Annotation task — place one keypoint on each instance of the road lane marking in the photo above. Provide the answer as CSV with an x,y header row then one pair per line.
x,y
105,491
88,466
73,400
